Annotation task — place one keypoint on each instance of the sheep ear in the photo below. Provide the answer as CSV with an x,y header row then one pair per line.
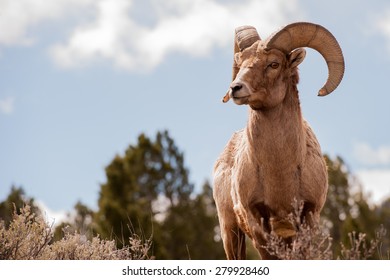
x,y
296,57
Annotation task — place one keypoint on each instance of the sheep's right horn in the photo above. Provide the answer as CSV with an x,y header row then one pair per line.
x,y
244,37
304,34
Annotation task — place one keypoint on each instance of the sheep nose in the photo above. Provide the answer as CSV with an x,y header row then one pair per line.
x,y
236,87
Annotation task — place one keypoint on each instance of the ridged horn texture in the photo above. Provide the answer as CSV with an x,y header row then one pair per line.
x,y
244,37
304,34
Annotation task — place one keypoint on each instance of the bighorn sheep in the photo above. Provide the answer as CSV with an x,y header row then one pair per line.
x,y
276,159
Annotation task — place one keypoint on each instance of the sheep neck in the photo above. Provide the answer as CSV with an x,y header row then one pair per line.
x,y
276,136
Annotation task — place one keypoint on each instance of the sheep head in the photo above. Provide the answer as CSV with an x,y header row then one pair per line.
x,y
262,70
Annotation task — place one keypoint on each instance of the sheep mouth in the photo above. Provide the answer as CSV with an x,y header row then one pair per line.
x,y
240,99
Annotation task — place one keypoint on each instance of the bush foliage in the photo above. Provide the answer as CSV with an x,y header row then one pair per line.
x,y
314,243
29,237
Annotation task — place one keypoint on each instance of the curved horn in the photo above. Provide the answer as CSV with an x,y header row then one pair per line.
x,y
244,37
303,34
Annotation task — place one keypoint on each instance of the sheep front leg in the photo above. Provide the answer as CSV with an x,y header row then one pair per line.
x,y
233,242
258,223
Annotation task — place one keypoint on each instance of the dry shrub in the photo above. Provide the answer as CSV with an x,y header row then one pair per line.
x,y
313,243
308,244
360,248
28,238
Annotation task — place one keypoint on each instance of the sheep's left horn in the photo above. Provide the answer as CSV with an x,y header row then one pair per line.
x,y
304,34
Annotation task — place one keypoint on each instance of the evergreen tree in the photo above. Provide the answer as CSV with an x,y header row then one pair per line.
x,y
80,223
384,217
135,182
190,229
338,203
206,227
347,209
148,193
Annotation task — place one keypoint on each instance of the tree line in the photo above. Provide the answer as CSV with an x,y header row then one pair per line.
x,y
148,194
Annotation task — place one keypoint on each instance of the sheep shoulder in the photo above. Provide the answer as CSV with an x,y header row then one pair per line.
x,y
314,172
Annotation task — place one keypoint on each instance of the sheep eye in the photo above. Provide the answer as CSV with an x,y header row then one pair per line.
x,y
274,65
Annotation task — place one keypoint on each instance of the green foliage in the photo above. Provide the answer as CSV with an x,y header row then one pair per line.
x,y
81,223
189,230
349,216
146,171
148,192
338,204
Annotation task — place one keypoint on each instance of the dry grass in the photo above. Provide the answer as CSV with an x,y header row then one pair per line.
x,y
29,237
313,243
361,249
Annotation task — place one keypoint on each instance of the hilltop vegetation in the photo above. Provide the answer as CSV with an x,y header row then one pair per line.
x,y
149,209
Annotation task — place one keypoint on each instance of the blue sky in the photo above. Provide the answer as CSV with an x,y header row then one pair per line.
x,y
81,79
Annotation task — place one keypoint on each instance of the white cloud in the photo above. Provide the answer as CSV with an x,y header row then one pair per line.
x,y
367,155
52,217
382,24
7,105
102,38
376,183
160,206
193,27
18,17
375,174
112,30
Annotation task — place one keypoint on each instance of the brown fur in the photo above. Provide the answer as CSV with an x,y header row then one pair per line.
x,y
271,162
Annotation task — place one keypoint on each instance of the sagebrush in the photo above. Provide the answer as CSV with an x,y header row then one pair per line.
x,y
29,237
314,243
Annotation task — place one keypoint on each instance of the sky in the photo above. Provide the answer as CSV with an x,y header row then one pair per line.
x,y
81,79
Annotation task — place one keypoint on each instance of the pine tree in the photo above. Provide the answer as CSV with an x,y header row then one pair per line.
x,y
148,193
338,204
80,223
347,209
190,230
151,171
